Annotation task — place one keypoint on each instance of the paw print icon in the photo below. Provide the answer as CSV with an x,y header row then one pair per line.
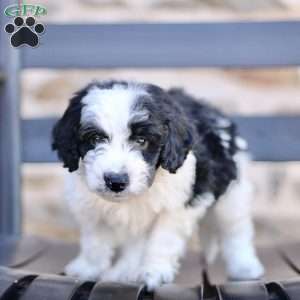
x,y
24,32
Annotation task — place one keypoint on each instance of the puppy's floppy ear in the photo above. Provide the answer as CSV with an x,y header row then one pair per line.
x,y
65,134
178,143
178,134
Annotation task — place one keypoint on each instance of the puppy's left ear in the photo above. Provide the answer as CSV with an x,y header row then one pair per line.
x,y
65,139
178,143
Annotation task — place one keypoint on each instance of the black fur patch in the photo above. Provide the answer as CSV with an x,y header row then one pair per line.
x,y
215,167
178,137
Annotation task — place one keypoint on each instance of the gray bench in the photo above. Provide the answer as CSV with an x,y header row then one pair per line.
x,y
225,45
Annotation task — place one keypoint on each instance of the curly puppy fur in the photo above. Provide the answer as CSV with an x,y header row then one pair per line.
x,y
145,167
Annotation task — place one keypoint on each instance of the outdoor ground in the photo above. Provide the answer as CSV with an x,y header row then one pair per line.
x,y
275,91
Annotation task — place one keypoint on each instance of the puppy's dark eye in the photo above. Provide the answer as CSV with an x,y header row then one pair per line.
x,y
97,139
93,136
141,142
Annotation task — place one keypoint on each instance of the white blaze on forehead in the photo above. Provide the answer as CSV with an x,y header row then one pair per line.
x,y
111,109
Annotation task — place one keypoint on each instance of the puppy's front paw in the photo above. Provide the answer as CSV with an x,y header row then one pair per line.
x,y
247,270
154,277
82,269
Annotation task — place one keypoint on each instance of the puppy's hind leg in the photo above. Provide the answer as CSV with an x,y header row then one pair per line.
x,y
236,230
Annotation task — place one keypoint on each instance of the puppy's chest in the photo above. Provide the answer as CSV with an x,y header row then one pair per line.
x,y
128,219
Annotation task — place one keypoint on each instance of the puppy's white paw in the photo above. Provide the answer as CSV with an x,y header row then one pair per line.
x,y
82,269
154,277
247,270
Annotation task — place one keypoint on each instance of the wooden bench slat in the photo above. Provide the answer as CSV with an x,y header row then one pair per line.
x,y
177,292
223,44
54,258
115,291
278,291
244,291
271,138
292,289
9,277
36,140
58,254
51,287
291,252
275,267
15,252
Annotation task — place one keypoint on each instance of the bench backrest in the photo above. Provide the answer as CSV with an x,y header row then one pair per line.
x,y
230,45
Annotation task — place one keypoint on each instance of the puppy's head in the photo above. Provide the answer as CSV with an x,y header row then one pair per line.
x,y
118,134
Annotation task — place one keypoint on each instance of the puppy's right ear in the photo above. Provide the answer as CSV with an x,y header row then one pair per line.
x,y
65,134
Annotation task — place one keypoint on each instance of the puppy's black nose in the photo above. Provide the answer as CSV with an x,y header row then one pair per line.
x,y
116,182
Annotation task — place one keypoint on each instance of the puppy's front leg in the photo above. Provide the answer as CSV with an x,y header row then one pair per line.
x,y
96,252
234,219
166,245
126,269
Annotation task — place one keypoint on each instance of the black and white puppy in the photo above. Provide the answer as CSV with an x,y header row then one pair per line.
x,y
145,166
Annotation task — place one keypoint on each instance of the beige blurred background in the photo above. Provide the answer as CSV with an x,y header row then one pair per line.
x,y
275,91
